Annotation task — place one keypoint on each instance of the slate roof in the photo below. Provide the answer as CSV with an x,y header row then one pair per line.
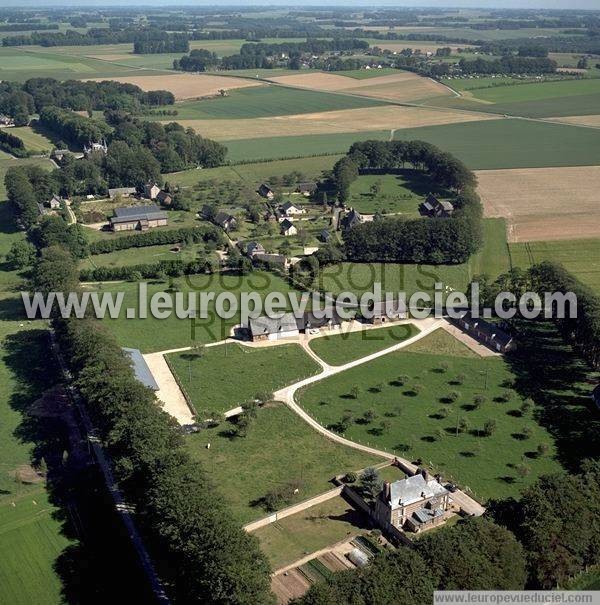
x,y
424,515
490,331
409,490
396,307
351,219
306,187
286,224
285,207
267,325
121,190
222,218
140,368
137,213
310,320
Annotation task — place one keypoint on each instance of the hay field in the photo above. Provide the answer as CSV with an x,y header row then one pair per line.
x,y
401,86
544,204
593,120
185,86
329,122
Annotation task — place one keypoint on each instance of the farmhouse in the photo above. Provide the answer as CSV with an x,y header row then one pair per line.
x,y
487,333
306,189
433,207
325,319
140,368
252,248
50,206
267,328
351,219
266,192
276,260
138,218
151,191
290,209
122,191
226,221
383,311
287,228
164,198
414,503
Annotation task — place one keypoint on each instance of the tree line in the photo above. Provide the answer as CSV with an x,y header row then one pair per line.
x,y
12,144
509,64
156,41
158,270
434,240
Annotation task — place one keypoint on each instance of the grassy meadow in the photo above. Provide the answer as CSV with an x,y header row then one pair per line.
x,y
279,448
224,377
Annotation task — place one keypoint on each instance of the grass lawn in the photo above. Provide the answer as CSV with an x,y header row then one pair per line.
x,y
153,334
224,377
273,148
338,349
421,422
391,193
267,101
311,530
492,259
511,143
33,141
579,256
31,540
279,448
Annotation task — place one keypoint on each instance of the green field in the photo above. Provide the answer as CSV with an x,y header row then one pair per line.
x,y
338,349
492,259
313,529
153,334
512,143
224,377
422,422
273,148
30,540
581,257
267,101
395,193
33,141
279,448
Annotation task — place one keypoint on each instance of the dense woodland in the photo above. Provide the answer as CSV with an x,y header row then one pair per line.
x,y
154,42
431,240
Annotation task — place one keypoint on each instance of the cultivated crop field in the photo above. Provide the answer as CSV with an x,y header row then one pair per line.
x,y
579,256
279,449
335,121
186,86
544,203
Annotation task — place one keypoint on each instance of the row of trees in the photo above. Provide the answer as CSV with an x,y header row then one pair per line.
x,y
193,538
435,240
159,270
155,41
202,233
12,144
509,64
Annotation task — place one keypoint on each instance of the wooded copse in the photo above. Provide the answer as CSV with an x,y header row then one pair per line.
x,y
448,240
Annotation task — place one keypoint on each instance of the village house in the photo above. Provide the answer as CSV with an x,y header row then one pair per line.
x,y
267,328
382,312
164,198
306,189
151,191
414,503
138,218
266,192
287,228
6,121
226,221
50,206
122,191
252,248
433,207
291,209
486,332
351,219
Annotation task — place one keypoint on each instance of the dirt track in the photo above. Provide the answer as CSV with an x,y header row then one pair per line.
x,y
544,203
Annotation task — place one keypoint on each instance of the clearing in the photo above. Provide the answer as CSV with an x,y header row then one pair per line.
x,y
544,203
280,449
226,376
185,86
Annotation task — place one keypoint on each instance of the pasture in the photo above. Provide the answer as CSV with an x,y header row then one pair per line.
x,y
581,257
425,405
226,376
186,86
360,120
339,348
33,140
266,101
280,449
544,203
